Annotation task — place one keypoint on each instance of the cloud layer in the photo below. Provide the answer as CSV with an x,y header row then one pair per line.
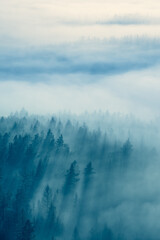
x,y
80,55
90,58
42,23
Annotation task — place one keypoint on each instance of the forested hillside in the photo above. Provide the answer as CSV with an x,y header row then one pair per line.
x,y
64,179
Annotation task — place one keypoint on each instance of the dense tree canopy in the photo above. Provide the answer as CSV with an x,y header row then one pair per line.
x,y
63,180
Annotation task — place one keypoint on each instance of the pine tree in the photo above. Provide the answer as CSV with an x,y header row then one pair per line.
x,y
46,200
126,152
127,149
28,231
71,178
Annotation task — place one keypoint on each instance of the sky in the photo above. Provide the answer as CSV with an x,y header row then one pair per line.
x,y
76,56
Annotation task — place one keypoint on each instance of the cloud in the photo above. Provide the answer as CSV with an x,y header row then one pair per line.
x,y
128,19
42,23
131,20
116,75
134,93
83,58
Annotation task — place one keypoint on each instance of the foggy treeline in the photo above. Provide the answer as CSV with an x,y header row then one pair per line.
x,y
64,179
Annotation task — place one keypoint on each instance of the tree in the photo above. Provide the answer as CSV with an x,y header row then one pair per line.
x,y
28,231
50,221
49,141
52,123
35,126
88,173
46,200
127,149
59,144
40,171
126,153
60,141
71,178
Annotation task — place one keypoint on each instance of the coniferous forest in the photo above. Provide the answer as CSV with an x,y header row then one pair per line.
x,y
79,120
64,179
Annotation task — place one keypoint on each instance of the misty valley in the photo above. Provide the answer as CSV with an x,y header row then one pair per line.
x,y
79,120
92,177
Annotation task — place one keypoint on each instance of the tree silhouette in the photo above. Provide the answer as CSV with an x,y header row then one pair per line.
x,y
46,200
28,231
88,174
71,178
127,148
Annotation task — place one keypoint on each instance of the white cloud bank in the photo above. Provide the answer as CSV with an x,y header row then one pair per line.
x,y
43,22
114,79
137,93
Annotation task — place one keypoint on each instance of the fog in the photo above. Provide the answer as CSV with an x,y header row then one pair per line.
x,y
79,120
118,76
42,23
131,93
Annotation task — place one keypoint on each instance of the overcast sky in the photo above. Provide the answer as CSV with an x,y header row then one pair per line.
x,y
80,55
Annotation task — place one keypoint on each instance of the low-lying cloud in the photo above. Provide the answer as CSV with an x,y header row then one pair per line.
x,y
119,76
106,58
128,19
134,93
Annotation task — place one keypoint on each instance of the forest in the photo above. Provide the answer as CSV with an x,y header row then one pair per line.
x,y
64,177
